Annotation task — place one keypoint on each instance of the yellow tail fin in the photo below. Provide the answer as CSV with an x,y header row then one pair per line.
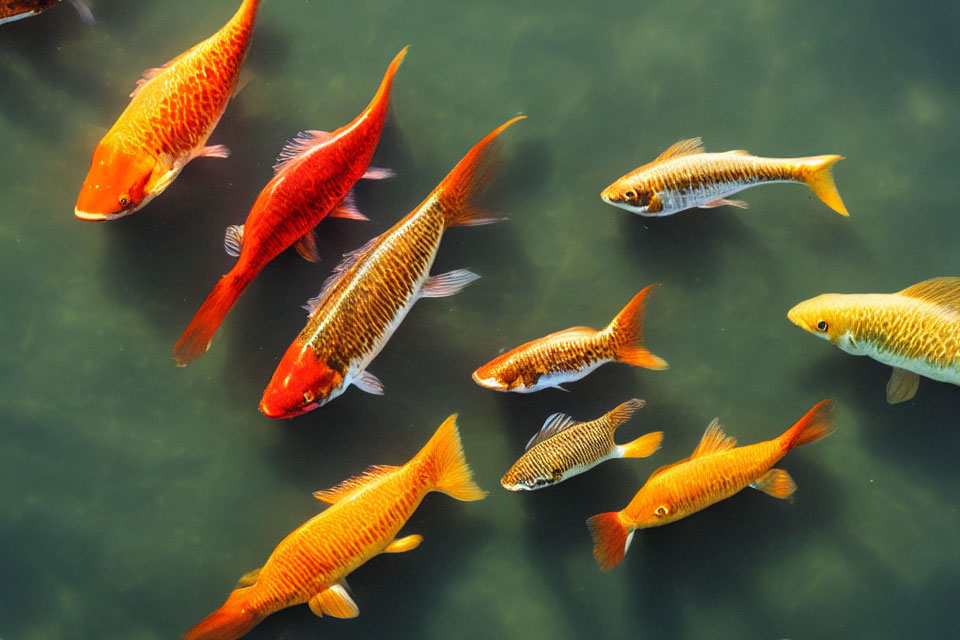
x,y
819,177
452,474
643,446
627,333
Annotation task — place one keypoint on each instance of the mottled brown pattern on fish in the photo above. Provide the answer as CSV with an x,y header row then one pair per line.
x,y
694,172
561,354
10,8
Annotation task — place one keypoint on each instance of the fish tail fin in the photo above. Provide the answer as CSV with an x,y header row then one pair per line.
x,y
643,446
457,192
381,99
196,338
610,539
626,330
818,174
233,619
443,453
622,413
816,424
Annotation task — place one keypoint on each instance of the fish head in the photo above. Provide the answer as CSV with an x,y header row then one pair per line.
x,y
654,508
302,382
829,316
529,480
120,181
632,197
500,374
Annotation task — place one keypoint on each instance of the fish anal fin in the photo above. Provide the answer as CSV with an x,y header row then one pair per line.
x,y
447,284
335,602
681,148
348,209
724,202
352,485
554,424
298,146
366,381
378,173
714,440
941,291
902,385
306,246
407,543
776,483
248,579
213,151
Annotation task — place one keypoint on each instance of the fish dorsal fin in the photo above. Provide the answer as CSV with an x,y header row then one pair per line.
x,y
349,259
942,291
299,145
714,440
573,332
739,152
352,485
153,72
248,579
682,148
554,424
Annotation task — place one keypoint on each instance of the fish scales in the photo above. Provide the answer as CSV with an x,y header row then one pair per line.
x,y
689,181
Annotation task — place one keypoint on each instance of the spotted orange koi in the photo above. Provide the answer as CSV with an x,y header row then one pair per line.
x,y
173,111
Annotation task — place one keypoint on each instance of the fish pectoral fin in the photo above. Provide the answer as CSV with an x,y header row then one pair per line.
x,y
723,202
233,240
213,151
348,209
335,602
447,284
378,173
902,385
164,180
368,382
776,483
307,247
557,386
84,10
404,544
248,579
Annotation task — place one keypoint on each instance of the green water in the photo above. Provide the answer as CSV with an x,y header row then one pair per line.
x,y
133,494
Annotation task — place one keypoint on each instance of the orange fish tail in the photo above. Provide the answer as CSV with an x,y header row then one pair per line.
x,y
816,424
610,539
196,338
247,12
457,192
818,174
443,455
627,332
232,620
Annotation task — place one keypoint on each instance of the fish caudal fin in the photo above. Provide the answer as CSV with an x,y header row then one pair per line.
x,y
457,192
818,175
444,454
196,338
232,620
626,330
381,99
816,424
610,539
643,446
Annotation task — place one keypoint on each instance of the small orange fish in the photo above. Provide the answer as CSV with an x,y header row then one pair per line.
x,y
571,354
684,177
367,512
11,10
174,110
714,471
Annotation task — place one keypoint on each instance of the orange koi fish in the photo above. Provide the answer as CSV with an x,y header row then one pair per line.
x,y
174,110
366,298
715,470
571,354
314,178
11,10
916,331
367,511
684,177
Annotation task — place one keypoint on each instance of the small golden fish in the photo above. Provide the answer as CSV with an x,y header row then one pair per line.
x,y
715,470
564,448
684,177
916,331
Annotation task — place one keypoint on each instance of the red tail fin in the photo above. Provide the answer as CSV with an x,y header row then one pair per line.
x,y
610,539
196,338
457,191
627,333
813,426
232,620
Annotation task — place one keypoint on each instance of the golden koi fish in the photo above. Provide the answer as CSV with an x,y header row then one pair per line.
x,y
684,177
367,512
916,331
715,470
564,448
174,110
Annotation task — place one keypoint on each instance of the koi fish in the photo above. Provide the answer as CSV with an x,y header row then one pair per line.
x,y
366,298
174,109
715,470
11,10
571,354
564,448
684,177
314,177
367,512
916,331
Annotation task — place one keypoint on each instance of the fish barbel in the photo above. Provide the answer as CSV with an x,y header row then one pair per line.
x,y
684,177
366,513
916,331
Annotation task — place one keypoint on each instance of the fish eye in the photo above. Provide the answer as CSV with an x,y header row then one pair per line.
x,y
822,325
124,200
630,195
661,511
309,396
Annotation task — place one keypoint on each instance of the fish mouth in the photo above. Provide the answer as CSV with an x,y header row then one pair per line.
x,y
99,217
489,383
278,413
796,318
